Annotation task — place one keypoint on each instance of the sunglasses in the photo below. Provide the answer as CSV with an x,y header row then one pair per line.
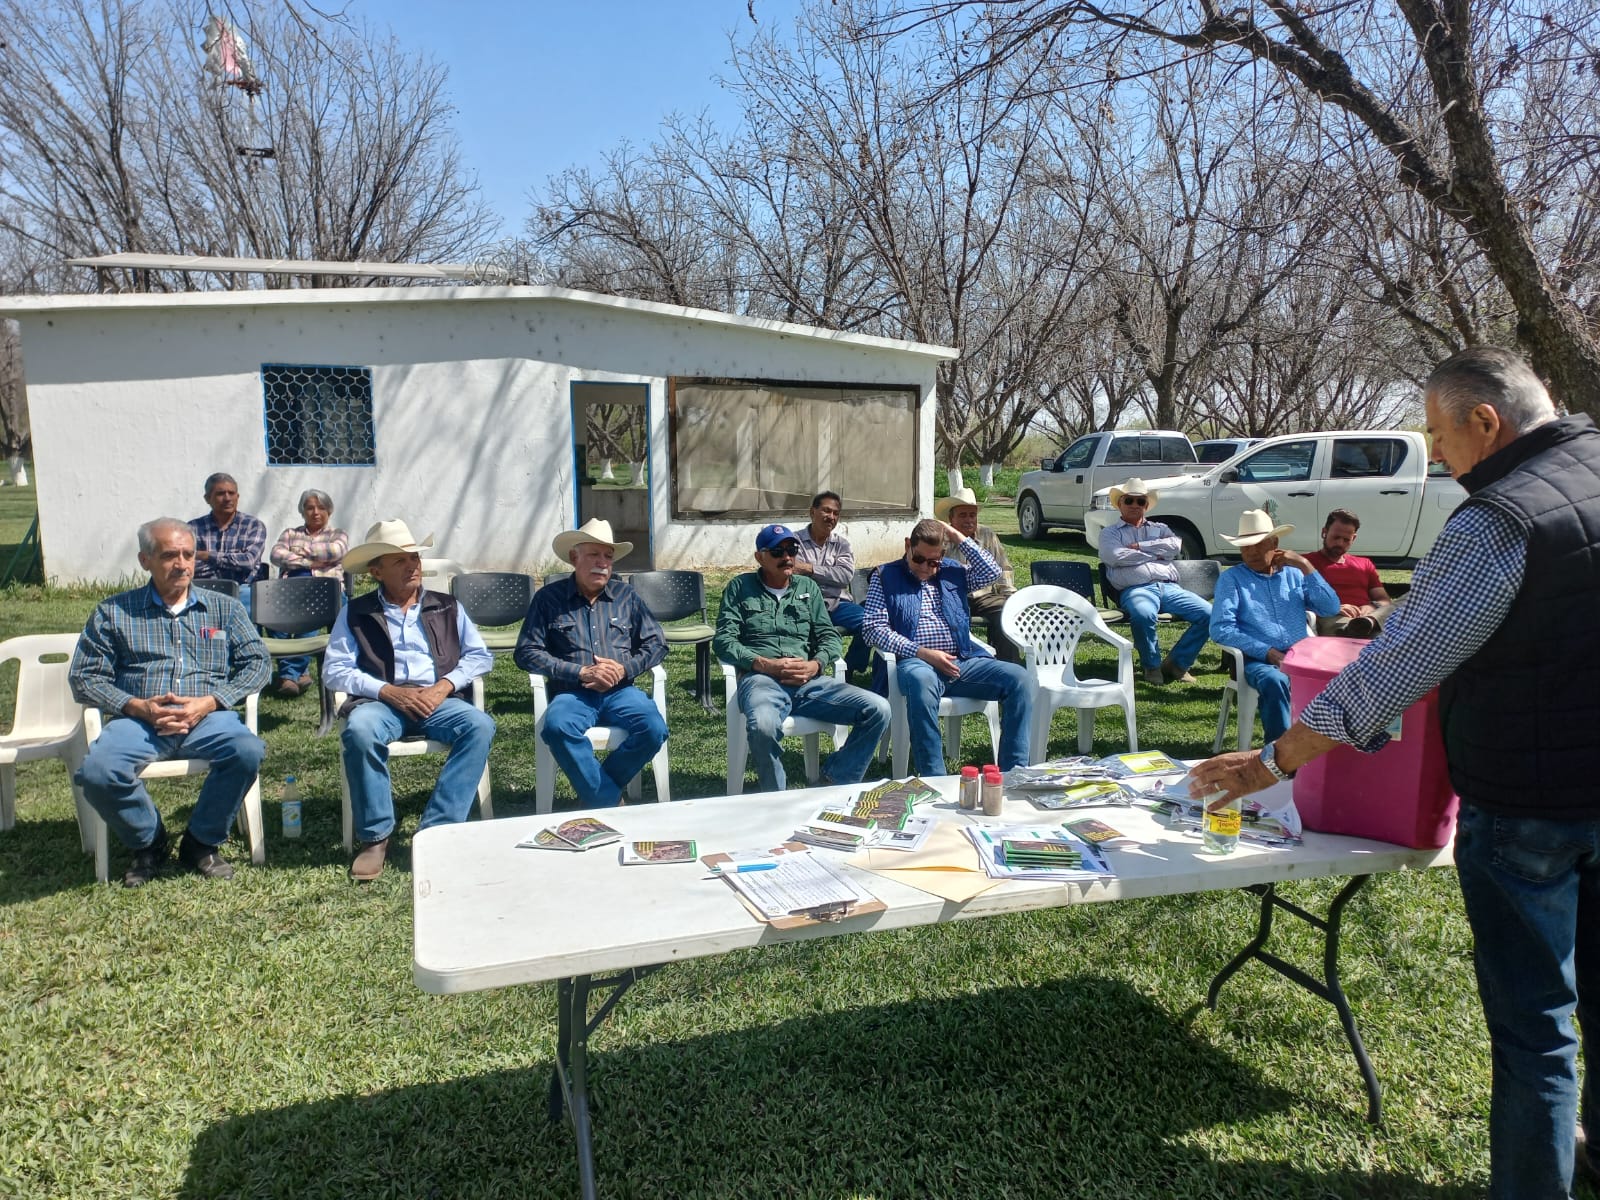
x,y
1136,501
784,551
922,562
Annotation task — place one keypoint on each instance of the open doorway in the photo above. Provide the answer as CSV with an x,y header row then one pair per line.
x,y
611,455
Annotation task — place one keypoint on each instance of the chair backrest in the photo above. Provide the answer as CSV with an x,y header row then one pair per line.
x,y
438,572
859,583
1071,573
493,598
1111,594
301,604
44,704
671,595
551,576
1048,621
1199,575
228,587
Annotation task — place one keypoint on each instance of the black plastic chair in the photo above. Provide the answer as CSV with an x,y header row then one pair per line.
x,y
680,596
1199,575
859,583
305,608
1072,574
494,600
227,587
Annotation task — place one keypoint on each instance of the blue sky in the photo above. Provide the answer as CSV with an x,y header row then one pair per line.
x,y
542,86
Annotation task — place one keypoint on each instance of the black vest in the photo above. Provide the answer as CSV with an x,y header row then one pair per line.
x,y
374,650
1522,716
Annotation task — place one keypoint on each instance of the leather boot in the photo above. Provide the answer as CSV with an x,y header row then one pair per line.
x,y
368,862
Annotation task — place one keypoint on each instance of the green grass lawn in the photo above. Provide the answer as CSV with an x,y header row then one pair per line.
x,y
264,1037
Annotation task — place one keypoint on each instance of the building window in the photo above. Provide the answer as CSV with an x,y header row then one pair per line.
x,y
761,448
318,416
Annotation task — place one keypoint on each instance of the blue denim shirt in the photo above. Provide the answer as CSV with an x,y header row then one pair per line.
x,y
1256,613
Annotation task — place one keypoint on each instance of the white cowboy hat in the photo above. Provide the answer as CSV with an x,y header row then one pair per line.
x,y
386,537
1255,525
958,499
1134,487
593,530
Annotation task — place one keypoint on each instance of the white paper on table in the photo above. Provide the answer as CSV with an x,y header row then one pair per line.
x,y
909,837
988,841
799,881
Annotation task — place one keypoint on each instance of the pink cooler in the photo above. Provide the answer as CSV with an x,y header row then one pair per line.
x,y
1400,794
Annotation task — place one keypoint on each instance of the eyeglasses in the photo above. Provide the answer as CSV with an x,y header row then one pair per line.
x,y
1136,501
922,562
784,551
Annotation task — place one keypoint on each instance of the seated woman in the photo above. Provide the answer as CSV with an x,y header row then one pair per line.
x,y
310,549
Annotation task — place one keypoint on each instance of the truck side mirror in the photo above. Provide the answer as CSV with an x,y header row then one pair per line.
x,y
1231,475
1047,464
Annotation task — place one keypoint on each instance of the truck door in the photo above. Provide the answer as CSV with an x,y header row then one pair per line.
x,y
1279,477
1064,493
1378,479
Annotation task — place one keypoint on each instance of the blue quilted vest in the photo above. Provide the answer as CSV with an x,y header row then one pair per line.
x,y
902,597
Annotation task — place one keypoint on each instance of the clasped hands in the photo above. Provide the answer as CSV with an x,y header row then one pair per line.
x,y
172,715
791,672
414,702
602,674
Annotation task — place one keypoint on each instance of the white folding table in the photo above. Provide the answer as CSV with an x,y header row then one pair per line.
x,y
490,915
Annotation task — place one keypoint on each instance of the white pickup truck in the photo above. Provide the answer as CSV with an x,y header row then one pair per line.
x,y
1060,493
1382,476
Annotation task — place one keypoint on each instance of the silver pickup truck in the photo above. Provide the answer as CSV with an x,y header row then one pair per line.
x,y
1381,475
1059,493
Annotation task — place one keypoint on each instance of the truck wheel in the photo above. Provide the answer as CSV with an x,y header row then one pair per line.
x,y
1030,518
1193,547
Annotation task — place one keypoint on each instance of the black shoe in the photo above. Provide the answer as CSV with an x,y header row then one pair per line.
x,y
149,862
203,859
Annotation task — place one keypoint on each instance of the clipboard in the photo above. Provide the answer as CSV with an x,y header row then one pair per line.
x,y
824,914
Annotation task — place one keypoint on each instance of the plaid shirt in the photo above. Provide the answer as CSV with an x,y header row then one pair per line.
x,y
933,631
299,550
235,551
1460,594
563,633
134,649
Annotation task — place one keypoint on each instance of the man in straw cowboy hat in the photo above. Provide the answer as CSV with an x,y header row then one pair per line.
x,y
774,627
960,510
591,635
404,655
1138,554
1260,608
1501,619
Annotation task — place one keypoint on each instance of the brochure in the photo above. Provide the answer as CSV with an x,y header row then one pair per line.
x,y
648,853
1093,793
1140,763
580,833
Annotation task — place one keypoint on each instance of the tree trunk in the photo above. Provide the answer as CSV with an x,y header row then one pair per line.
x,y
953,480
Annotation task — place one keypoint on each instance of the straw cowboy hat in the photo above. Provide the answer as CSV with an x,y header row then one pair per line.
x,y
594,530
386,537
1134,487
1255,525
959,499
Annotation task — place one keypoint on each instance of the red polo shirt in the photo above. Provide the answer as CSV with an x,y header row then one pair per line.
x,y
1352,577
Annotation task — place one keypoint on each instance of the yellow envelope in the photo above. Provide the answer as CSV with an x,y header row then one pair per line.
x,y
946,865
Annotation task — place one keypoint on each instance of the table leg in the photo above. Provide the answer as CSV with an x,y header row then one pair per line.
x,y
569,1085
1328,987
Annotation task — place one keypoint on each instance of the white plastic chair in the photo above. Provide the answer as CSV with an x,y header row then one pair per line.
x,y
1239,686
407,748
1047,623
437,573
248,819
46,722
806,727
951,710
601,737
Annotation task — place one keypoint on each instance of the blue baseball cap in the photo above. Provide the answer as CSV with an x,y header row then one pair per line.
x,y
775,535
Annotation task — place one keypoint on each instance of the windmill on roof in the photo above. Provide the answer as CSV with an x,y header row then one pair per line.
x,y
228,58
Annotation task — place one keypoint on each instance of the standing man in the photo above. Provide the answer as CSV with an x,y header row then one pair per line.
x,y
917,611
169,663
1261,609
1363,602
228,543
825,558
1501,618
405,656
774,627
960,509
592,635
1138,554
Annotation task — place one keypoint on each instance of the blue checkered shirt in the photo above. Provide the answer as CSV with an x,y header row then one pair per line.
x,y
235,551
1460,594
933,631
134,649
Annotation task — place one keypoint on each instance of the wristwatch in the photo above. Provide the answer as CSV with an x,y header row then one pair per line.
x,y
1269,760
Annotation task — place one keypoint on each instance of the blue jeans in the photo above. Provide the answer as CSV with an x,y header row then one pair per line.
x,y
1532,892
291,668
983,678
112,786
1272,688
566,724
1144,602
848,616
765,703
370,728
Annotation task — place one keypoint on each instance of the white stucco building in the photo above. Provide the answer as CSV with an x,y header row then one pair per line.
x,y
468,412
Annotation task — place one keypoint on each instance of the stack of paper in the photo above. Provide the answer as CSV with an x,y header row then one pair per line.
x,y
991,846
580,833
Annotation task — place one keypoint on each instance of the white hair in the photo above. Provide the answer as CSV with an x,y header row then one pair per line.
x,y
1493,376
150,532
